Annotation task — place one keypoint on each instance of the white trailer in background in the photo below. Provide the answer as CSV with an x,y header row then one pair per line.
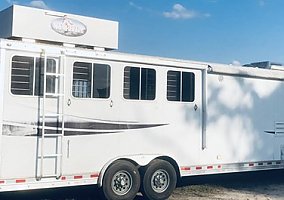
x,y
73,113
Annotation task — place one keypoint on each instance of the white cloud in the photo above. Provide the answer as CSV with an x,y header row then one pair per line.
x,y
11,2
38,4
180,12
135,5
236,63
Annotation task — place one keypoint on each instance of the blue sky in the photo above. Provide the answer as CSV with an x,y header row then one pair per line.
x,y
222,31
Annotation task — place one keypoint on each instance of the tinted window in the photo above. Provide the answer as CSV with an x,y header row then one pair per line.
x,y
39,76
22,75
188,86
180,86
101,81
82,75
139,83
148,84
91,80
27,75
173,86
131,82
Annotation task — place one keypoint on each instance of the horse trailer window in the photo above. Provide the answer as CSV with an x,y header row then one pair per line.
x,y
188,86
82,75
131,82
91,80
39,76
27,76
139,83
22,75
148,84
101,81
173,86
180,86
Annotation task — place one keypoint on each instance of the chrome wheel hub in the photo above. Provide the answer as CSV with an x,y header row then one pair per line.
x,y
121,183
160,181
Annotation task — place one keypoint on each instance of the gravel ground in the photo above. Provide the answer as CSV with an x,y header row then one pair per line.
x,y
266,185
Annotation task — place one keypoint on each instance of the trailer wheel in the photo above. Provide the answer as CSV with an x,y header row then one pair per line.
x,y
121,181
159,180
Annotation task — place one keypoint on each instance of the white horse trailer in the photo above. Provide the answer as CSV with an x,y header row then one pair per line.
x,y
73,113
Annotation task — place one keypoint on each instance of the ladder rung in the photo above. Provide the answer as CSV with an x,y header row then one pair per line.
x,y
51,176
54,94
52,155
50,115
53,135
54,74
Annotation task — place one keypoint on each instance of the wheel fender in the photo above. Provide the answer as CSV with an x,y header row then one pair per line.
x,y
140,160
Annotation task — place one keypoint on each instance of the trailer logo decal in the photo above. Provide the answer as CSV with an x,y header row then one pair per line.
x,y
69,27
72,128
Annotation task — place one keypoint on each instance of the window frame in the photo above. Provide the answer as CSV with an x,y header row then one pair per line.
x,y
92,63
181,84
140,83
34,79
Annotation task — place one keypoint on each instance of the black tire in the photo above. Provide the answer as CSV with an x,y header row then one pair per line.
x,y
159,180
121,181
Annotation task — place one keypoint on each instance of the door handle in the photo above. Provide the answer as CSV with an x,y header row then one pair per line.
x,y
195,107
68,102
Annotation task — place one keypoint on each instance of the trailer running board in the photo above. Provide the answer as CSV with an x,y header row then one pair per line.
x,y
19,184
231,168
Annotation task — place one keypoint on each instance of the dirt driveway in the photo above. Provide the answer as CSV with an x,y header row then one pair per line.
x,y
209,192
266,185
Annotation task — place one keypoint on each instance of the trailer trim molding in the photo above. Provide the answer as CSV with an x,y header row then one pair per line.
x,y
231,167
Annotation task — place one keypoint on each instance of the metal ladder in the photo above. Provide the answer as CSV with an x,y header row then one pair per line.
x,y
55,133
